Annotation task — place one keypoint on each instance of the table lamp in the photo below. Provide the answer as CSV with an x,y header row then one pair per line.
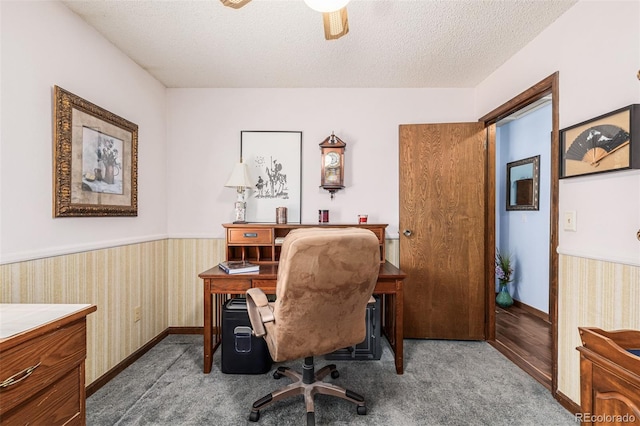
x,y
240,180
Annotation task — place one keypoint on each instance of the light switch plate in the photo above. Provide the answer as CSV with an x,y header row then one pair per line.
x,y
570,221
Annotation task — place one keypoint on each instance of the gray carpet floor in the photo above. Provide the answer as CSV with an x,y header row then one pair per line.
x,y
445,383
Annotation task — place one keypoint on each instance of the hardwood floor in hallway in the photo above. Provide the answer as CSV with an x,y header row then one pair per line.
x,y
525,339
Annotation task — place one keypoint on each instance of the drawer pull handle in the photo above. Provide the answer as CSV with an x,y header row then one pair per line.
x,y
250,234
24,373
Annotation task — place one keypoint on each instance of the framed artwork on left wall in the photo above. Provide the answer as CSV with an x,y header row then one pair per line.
x,y
95,160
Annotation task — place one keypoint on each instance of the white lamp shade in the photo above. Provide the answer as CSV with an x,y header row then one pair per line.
x,y
239,177
326,6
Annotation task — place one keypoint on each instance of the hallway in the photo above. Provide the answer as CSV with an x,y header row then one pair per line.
x,y
525,339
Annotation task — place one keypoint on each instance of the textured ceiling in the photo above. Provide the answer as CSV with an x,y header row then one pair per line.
x,y
280,43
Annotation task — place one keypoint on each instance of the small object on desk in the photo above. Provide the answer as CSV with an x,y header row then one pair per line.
x,y
362,218
323,216
281,215
238,267
279,240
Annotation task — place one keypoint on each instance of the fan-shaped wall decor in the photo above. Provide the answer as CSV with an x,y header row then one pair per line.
x,y
334,14
606,143
597,142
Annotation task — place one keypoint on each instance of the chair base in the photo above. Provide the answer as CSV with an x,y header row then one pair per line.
x,y
308,384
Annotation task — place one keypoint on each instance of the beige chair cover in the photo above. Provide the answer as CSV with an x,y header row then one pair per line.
x,y
325,279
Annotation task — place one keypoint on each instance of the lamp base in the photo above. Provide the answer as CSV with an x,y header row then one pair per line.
x,y
241,208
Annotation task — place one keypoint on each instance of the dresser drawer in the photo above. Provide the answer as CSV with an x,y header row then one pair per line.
x,y
249,236
56,405
49,357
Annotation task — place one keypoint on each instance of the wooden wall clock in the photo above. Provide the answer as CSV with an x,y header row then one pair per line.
x,y
332,164
603,144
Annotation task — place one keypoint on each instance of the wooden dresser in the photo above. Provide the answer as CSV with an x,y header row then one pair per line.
x,y
261,242
609,377
42,353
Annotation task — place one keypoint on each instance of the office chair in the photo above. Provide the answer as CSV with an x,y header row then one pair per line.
x,y
325,279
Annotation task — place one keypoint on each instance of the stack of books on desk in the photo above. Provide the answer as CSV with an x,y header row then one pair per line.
x,y
238,267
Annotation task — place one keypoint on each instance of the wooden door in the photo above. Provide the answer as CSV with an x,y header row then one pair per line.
x,y
442,206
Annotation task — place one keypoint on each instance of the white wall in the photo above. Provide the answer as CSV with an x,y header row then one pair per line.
x,y
597,74
204,143
44,44
525,233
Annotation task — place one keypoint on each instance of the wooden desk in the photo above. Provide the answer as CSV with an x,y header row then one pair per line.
x,y
219,287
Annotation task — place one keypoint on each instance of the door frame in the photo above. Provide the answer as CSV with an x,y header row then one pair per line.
x,y
543,88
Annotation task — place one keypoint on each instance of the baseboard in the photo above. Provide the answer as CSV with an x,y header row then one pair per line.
x,y
185,330
540,377
106,377
567,403
533,311
545,381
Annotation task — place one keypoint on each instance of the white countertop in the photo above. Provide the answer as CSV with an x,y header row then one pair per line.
x,y
16,318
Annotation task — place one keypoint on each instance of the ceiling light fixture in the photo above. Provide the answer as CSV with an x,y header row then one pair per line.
x,y
335,24
334,14
326,6
236,4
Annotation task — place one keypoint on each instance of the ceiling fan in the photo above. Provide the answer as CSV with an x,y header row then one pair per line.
x,y
334,14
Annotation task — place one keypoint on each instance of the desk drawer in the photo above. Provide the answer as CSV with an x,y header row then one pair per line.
x,y
54,354
231,286
249,236
268,286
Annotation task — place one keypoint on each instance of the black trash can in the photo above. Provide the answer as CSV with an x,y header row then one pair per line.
x,y
242,353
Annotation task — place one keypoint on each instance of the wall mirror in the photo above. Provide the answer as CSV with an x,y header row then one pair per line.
x,y
523,180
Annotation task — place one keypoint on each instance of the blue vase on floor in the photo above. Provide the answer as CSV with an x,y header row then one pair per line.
x,y
504,299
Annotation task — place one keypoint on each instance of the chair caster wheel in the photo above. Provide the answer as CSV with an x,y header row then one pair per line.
x,y
335,374
362,410
279,372
254,416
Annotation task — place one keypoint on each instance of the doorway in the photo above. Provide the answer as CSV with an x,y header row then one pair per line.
x,y
522,227
502,332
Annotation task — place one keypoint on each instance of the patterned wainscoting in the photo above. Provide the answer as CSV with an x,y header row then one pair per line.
x,y
161,277
392,250
592,293
188,258
116,280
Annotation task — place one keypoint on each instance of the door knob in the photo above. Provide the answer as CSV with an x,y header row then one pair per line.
x,y
407,233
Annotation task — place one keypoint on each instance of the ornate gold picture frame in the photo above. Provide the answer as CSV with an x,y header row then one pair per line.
x,y
95,160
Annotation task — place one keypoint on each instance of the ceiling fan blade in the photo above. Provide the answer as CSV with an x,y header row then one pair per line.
x,y
236,4
335,24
